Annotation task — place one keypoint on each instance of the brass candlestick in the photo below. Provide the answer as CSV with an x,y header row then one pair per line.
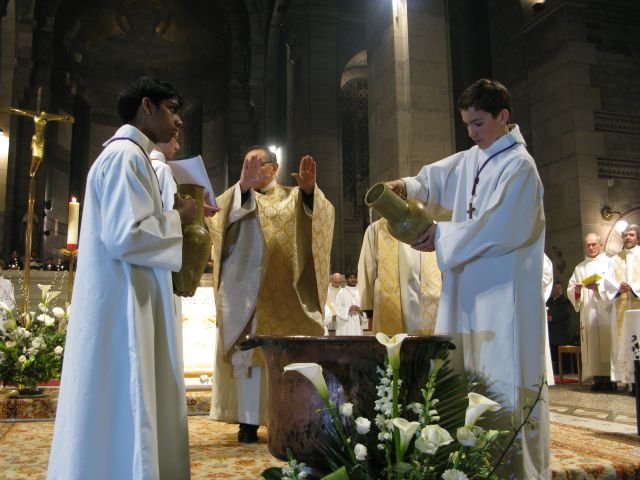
x,y
37,156
71,254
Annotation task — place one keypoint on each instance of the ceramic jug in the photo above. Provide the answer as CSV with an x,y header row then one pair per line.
x,y
407,219
196,244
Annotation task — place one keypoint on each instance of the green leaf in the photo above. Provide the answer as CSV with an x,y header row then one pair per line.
x,y
273,473
340,474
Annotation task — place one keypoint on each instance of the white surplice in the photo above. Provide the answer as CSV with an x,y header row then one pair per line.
x,y
348,323
597,318
491,301
121,410
329,307
168,186
168,190
626,268
547,286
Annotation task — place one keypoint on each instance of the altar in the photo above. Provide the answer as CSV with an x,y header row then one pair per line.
x,y
198,318
199,334
629,355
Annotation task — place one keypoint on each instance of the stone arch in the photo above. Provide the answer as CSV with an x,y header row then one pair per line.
x,y
354,152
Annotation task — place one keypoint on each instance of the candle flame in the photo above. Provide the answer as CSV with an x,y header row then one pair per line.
x,y
74,199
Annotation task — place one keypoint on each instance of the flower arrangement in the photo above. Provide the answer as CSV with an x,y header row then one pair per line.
x,y
421,440
32,343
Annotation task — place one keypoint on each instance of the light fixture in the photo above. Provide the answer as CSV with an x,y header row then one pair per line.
x,y
608,213
277,150
538,6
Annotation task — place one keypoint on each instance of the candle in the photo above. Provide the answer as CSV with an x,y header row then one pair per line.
x,y
72,229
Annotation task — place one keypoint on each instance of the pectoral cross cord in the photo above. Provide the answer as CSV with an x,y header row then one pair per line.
x,y
476,180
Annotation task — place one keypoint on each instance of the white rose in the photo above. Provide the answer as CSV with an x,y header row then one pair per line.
x,y
360,451
58,350
49,320
346,409
363,425
469,436
431,438
58,312
27,334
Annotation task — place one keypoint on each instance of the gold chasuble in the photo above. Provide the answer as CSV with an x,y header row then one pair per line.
x,y
281,280
626,268
397,304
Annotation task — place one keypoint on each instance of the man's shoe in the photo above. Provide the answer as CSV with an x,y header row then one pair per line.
x,y
247,433
596,387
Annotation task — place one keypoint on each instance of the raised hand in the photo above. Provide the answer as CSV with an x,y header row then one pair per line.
x,y
252,173
306,176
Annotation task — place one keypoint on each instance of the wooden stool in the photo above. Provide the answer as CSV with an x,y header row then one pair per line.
x,y
573,350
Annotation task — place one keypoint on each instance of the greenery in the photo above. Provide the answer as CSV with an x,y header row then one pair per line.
x,y
32,344
420,440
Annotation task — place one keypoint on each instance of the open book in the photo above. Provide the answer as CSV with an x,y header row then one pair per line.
x,y
591,279
191,170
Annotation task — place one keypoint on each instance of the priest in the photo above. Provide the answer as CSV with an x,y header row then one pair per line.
x,y
491,256
597,316
271,249
626,294
400,285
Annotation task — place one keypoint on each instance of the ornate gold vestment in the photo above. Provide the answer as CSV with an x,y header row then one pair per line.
x,y
388,315
294,266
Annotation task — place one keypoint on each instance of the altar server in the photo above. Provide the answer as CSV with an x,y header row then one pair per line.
x,y
491,256
121,410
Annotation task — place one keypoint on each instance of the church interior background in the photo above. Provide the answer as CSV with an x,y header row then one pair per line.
x,y
368,87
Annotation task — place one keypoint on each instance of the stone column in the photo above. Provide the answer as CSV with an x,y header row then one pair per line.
x,y
410,99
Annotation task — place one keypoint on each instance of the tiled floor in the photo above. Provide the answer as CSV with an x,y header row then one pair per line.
x,y
577,405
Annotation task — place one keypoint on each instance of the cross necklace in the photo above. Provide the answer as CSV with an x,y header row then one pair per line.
x,y
476,180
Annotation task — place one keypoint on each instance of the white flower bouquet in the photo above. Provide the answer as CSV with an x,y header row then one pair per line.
x,y
32,343
424,439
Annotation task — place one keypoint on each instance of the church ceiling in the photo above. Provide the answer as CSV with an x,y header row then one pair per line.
x,y
103,44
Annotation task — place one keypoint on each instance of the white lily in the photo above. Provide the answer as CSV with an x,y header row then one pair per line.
x,y
52,295
406,429
431,438
435,366
393,345
478,404
313,372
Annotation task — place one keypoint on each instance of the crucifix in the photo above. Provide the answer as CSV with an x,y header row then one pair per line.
x,y
471,209
40,120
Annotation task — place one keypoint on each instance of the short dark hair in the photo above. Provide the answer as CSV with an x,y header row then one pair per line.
x,y
271,156
130,98
558,282
350,273
485,94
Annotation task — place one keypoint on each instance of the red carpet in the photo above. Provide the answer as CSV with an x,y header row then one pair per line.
x,y
565,379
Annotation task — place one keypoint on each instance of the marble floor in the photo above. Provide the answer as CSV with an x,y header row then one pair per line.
x,y
578,406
